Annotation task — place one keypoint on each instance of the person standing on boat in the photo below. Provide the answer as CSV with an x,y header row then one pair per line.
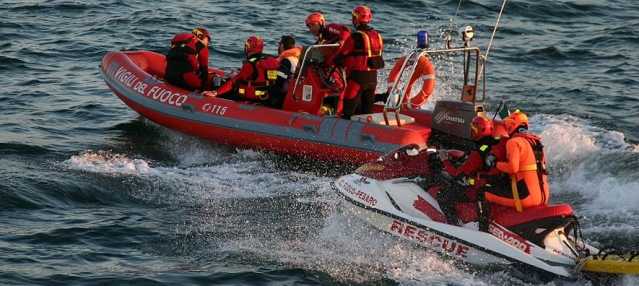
x,y
187,63
361,57
255,78
326,34
478,171
525,164
289,55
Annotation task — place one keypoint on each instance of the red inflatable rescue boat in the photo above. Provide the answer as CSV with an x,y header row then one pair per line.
x,y
298,129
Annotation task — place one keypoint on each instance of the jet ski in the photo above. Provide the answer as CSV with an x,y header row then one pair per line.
x,y
396,194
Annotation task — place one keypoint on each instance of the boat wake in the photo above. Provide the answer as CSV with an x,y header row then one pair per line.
x,y
303,227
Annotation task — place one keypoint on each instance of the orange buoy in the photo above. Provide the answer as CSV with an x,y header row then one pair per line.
x,y
424,71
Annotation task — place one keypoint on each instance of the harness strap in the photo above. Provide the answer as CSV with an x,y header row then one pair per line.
x,y
538,152
366,41
513,186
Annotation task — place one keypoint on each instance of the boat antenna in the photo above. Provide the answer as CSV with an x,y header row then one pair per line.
x,y
492,37
447,36
490,43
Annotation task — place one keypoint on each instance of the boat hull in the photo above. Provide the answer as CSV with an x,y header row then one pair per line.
x,y
135,77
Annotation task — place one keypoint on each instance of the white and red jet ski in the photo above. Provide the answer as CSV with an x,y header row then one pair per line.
x,y
389,195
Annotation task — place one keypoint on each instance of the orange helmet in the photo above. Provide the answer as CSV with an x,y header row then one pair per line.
x,y
515,120
481,127
253,45
362,15
315,18
200,33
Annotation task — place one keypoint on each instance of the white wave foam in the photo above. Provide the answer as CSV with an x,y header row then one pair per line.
x,y
568,138
236,177
350,251
108,163
583,155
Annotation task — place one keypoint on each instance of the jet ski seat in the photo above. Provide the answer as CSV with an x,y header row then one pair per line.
x,y
536,223
509,217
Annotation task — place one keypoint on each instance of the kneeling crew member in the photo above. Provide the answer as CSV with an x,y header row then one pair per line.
x,y
187,63
255,78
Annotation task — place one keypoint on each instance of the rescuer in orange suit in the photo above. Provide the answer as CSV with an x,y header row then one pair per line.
x,y
478,171
361,57
255,78
187,63
526,166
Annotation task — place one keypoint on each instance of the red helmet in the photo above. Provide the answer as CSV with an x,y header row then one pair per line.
x,y
200,33
481,127
362,15
315,18
515,120
253,45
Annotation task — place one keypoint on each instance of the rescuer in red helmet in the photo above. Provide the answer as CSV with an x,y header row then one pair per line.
x,y
326,33
361,57
477,172
257,75
187,63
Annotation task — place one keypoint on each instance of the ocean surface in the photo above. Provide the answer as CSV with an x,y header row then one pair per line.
x,y
93,194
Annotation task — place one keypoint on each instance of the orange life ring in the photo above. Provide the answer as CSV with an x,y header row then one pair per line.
x,y
423,71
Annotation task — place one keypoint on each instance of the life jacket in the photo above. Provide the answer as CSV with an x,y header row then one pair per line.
x,y
367,52
529,186
182,57
293,56
265,69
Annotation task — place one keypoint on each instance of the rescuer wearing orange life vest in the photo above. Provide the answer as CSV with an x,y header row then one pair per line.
x,y
255,78
361,57
289,55
326,33
187,63
526,166
478,170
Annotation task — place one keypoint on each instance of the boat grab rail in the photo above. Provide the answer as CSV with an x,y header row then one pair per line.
x,y
396,96
304,60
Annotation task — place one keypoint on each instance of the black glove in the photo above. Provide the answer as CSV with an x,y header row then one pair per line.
x,y
489,162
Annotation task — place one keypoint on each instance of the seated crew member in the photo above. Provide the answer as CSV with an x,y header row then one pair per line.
x,y
187,63
255,78
361,57
289,55
478,171
525,164
326,34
